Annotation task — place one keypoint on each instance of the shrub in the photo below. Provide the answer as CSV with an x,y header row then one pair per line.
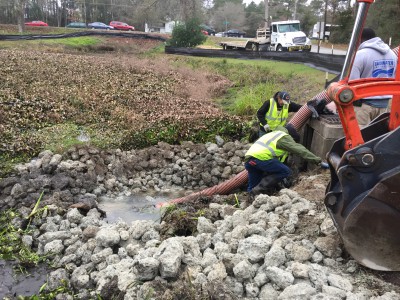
x,y
187,35
195,130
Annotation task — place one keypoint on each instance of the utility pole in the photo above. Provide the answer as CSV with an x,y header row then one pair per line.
x,y
266,19
326,8
319,35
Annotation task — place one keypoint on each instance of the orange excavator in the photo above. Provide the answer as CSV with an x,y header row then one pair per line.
x,y
363,196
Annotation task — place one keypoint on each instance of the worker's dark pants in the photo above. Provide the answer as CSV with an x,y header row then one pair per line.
x,y
257,169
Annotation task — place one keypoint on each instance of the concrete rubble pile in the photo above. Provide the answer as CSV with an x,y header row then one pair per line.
x,y
83,174
262,252
280,247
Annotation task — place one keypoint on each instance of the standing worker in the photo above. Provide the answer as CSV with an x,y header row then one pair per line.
x,y
275,111
264,161
374,59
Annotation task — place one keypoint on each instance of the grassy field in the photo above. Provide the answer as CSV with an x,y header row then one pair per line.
x,y
254,81
127,93
53,44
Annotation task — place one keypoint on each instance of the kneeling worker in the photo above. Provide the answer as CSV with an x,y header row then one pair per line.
x,y
264,160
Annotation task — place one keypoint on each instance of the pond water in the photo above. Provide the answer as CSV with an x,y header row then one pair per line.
x,y
125,208
134,207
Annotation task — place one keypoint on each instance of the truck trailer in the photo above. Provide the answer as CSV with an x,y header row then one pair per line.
x,y
280,36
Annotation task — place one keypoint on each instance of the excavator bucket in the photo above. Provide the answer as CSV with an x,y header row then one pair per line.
x,y
363,197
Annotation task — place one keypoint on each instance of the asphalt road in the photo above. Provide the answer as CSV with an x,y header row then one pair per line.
x,y
324,50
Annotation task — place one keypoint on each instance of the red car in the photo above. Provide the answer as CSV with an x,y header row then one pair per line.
x,y
36,23
121,26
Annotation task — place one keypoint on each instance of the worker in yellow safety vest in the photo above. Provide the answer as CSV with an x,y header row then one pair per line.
x,y
265,159
275,111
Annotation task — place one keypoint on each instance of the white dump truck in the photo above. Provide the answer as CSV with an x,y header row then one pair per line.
x,y
280,36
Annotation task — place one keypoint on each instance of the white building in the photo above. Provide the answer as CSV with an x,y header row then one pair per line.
x,y
318,30
160,28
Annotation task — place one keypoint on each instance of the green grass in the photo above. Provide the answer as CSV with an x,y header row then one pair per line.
x,y
244,72
8,162
248,100
154,52
73,42
211,42
61,137
11,245
254,81
13,29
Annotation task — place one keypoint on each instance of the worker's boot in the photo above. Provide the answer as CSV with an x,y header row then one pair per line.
x,y
267,185
248,201
285,183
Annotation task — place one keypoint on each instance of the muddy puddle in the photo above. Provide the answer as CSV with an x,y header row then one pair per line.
x,y
134,207
14,283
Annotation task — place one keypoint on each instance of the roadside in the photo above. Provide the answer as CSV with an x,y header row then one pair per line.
x,y
324,49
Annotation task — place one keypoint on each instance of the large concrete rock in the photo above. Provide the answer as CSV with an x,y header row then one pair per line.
x,y
170,254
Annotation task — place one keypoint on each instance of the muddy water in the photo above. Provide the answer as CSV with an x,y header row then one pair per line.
x,y
14,284
134,207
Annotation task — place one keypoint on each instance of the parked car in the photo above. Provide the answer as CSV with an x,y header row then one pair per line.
x,y
219,34
121,26
204,32
234,33
210,30
76,25
36,23
99,25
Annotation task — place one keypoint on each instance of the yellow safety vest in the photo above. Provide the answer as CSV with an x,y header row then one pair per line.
x,y
265,147
275,117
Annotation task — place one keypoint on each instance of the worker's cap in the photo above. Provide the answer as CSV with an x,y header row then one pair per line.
x,y
284,96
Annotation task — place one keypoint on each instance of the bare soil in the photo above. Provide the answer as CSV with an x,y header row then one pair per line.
x,y
311,185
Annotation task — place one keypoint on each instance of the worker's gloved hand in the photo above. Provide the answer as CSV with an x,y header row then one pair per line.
x,y
317,107
314,113
266,128
323,165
